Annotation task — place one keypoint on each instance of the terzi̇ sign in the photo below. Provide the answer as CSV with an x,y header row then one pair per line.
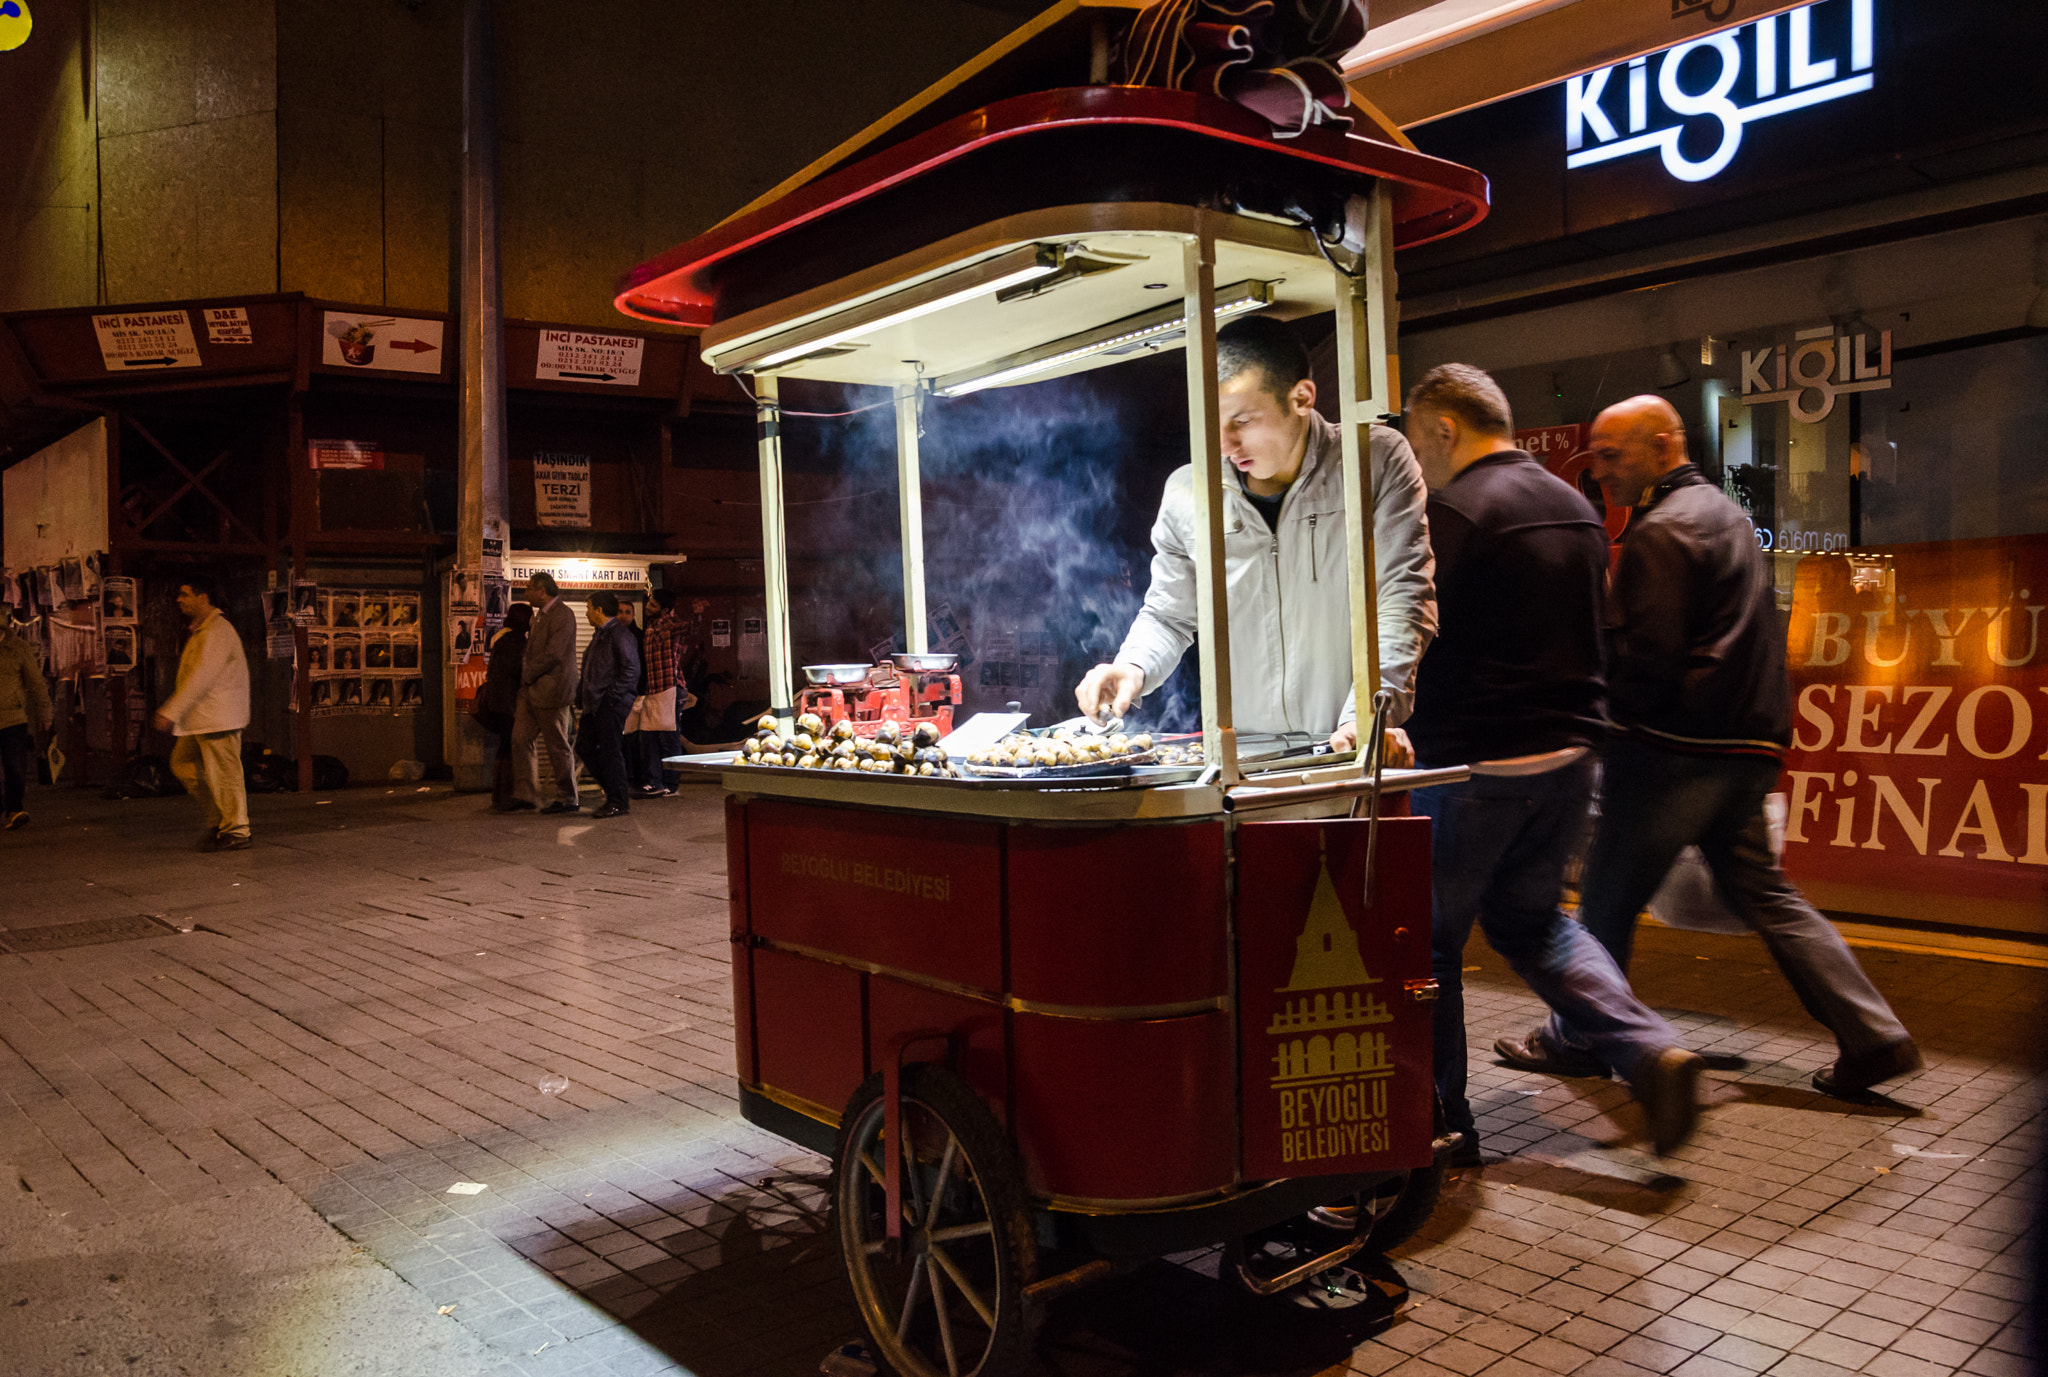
x,y
1719,86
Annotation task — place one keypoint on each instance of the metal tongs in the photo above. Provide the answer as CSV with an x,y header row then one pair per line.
x,y
1381,702
1109,724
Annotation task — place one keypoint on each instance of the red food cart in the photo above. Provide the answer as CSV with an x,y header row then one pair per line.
x,y
1046,1025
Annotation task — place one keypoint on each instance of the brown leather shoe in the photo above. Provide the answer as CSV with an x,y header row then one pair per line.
x,y
1668,1091
1852,1077
1536,1052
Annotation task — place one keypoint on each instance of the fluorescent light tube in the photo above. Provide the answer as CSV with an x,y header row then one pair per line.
x,y
1019,266
1151,326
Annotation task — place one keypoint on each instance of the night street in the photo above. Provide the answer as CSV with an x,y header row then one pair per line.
x,y
383,997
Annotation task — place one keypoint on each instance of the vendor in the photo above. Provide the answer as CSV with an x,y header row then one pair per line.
x,y
1285,565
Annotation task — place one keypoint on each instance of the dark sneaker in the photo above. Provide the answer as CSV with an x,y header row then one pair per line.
x,y
1669,1095
611,810
1852,1077
1536,1052
232,843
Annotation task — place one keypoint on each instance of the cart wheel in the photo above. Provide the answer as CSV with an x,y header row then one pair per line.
x,y
948,1299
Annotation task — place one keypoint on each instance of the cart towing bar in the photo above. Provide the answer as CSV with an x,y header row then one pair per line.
x,y
1248,798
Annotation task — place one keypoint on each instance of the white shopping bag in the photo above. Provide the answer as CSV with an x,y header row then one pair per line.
x,y
1688,898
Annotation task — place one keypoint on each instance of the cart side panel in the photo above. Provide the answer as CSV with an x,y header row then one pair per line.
x,y
1124,1110
1335,1047
1117,917
897,1011
742,941
908,893
809,1038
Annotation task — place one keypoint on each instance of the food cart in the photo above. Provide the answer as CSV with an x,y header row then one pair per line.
x,y
1045,1023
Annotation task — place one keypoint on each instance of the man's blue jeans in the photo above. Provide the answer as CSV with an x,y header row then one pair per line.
x,y
1653,804
1499,848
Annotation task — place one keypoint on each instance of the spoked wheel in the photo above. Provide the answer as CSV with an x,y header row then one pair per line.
x,y
947,1299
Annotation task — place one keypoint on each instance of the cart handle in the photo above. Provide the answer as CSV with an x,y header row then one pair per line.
x,y
1251,798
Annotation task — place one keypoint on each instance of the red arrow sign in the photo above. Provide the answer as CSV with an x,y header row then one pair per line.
x,y
417,346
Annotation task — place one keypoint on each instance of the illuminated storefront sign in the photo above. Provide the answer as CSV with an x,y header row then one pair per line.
x,y
1815,369
1718,86
1920,683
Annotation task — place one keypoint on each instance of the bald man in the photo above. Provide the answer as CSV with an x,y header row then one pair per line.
x,y
1703,713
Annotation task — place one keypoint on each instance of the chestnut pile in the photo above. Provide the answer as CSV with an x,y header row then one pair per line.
x,y
1062,747
890,751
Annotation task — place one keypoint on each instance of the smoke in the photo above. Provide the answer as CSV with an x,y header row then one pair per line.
x,y
1038,503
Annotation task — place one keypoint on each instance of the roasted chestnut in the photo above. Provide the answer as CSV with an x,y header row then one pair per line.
x,y
811,723
926,735
842,730
888,733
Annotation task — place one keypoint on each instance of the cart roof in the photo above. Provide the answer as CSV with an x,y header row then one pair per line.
x,y
1103,174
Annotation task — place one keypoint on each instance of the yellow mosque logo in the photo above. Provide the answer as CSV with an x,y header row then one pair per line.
x,y
1327,976
15,22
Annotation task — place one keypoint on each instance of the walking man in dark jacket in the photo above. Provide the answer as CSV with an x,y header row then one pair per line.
x,y
1512,687
1698,693
611,673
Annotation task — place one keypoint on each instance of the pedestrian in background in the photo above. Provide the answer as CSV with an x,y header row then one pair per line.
x,y
206,712
547,691
1703,710
1512,686
611,670
630,746
663,689
497,702
25,715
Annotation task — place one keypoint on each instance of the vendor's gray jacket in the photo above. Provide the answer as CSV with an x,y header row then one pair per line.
x,y
1290,609
24,699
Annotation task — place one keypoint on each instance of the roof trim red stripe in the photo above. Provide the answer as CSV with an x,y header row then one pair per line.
x,y
670,288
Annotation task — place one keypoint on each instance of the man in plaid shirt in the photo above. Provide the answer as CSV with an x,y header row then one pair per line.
x,y
663,657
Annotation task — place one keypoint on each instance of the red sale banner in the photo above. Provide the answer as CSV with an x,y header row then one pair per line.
x,y
1916,780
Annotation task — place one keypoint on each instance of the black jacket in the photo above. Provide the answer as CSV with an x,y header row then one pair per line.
x,y
500,693
1521,565
611,669
1695,649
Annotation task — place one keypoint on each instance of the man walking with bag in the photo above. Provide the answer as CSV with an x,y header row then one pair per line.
x,y
206,712
547,685
1703,707
661,686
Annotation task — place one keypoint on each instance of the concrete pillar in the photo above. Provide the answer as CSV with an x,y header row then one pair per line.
x,y
480,528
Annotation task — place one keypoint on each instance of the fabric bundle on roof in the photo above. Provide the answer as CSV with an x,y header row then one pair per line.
x,y
1277,58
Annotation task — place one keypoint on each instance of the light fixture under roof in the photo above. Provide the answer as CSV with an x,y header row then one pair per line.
x,y
1148,329
833,334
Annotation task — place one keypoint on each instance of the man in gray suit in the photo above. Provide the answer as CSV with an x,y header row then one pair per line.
x,y
547,688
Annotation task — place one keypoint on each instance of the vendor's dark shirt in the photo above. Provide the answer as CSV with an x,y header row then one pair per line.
x,y
1268,507
1521,569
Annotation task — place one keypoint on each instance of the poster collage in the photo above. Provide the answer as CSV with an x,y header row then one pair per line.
x,y
79,621
362,648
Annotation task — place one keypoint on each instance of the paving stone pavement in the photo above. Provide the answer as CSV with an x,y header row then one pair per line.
x,y
384,997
